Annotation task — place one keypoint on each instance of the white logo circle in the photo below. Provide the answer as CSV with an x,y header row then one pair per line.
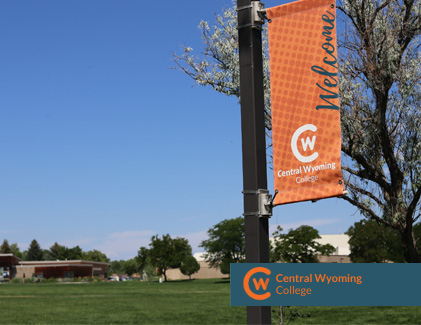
x,y
307,143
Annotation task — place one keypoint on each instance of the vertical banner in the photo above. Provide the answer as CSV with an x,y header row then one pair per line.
x,y
306,130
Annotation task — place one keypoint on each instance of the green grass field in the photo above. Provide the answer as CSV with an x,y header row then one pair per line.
x,y
178,302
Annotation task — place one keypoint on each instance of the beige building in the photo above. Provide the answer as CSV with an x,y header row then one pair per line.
x,y
205,272
341,255
340,242
342,250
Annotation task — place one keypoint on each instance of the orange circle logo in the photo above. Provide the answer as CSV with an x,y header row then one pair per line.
x,y
257,284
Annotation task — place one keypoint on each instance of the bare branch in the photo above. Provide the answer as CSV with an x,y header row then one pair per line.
x,y
364,192
368,212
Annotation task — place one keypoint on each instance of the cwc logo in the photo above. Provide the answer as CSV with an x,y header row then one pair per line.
x,y
257,284
305,144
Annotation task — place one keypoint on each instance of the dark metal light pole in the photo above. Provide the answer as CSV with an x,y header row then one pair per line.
x,y
254,143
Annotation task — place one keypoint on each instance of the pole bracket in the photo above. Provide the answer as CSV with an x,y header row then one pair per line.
x,y
265,203
257,15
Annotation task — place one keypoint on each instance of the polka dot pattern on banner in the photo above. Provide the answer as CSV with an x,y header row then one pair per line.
x,y
306,132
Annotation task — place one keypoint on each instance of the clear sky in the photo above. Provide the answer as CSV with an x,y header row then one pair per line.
x,y
102,145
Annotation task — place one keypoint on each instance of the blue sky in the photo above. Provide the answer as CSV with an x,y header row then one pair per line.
x,y
102,145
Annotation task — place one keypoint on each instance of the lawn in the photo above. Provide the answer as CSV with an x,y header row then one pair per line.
x,y
177,302
357,315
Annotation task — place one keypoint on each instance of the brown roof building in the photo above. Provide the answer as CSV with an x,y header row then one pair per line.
x,y
8,264
16,268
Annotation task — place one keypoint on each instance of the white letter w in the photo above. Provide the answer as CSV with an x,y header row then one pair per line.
x,y
308,143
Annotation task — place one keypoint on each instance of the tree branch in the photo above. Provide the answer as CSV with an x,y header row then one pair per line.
x,y
369,172
370,213
411,208
364,192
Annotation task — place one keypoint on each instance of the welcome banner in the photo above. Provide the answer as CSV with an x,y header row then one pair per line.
x,y
306,131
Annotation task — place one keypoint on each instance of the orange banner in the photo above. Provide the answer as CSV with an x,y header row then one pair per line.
x,y
306,129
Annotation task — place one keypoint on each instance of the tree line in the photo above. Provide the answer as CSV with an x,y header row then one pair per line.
x,y
55,252
369,240
226,245
163,253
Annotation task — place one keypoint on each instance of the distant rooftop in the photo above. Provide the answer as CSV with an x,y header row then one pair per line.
x,y
340,242
199,256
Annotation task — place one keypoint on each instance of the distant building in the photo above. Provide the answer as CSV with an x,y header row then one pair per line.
x,y
342,250
8,264
16,268
340,242
205,272
340,255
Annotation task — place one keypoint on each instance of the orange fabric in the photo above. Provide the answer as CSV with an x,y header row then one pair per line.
x,y
306,131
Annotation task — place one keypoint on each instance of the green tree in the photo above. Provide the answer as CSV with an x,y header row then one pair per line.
x,y
95,256
116,267
380,94
5,247
189,266
57,252
144,264
166,252
373,242
124,267
131,266
298,246
226,244
14,249
142,258
60,252
74,253
34,252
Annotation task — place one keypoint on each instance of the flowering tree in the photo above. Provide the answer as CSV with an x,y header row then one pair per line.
x,y
379,65
381,112
218,65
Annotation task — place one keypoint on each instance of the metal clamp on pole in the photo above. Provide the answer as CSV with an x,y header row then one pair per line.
x,y
265,204
257,14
